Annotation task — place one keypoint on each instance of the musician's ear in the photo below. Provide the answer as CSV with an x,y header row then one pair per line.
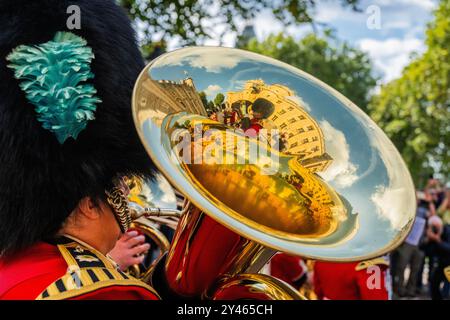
x,y
89,208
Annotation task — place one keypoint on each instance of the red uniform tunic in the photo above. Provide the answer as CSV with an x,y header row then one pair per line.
x,y
26,275
288,268
255,127
351,281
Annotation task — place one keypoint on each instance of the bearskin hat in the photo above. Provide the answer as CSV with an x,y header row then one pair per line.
x,y
45,171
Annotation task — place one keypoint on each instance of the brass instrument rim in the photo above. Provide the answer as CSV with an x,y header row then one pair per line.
x,y
278,289
212,209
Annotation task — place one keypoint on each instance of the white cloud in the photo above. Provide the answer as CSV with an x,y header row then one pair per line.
x,y
398,13
342,171
397,24
298,100
425,4
265,24
328,12
389,47
402,30
212,89
422,4
391,55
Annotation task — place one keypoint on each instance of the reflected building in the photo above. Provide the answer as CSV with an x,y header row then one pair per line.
x,y
303,204
272,201
304,136
306,143
175,96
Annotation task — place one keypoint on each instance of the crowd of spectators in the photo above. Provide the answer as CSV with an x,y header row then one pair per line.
x,y
426,252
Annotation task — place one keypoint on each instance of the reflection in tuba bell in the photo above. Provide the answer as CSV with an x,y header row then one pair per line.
x,y
269,159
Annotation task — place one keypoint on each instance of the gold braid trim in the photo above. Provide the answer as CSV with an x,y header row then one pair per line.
x,y
69,288
447,273
88,270
368,263
119,203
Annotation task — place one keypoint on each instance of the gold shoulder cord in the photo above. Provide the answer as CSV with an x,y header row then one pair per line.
x,y
373,262
447,273
87,271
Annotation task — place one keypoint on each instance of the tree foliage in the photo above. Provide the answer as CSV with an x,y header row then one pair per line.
x,y
339,65
193,21
209,105
414,110
219,99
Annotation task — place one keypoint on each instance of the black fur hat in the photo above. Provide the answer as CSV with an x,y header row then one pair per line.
x,y
42,180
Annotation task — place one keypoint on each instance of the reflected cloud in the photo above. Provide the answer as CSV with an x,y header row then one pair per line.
x,y
341,171
202,57
238,85
212,89
389,202
298,100
159,193
395,201
168,195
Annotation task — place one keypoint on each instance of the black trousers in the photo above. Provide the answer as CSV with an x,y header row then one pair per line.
x,y
437,277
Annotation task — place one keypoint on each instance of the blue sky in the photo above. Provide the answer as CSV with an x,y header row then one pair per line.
x,y
401,32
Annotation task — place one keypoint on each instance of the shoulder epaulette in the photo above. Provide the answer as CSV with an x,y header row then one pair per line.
x,y
447,273
373,262
87,272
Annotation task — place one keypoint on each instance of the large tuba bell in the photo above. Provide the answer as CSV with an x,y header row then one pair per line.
x,y
284,163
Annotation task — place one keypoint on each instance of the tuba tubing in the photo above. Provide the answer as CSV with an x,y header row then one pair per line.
x,y
203,251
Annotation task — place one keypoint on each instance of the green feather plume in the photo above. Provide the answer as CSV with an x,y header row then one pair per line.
x,y
52,76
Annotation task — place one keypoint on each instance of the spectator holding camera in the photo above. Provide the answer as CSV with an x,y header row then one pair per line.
x,y
444,209
438,237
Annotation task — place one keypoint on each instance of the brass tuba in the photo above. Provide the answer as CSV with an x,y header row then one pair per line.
x,y
269,159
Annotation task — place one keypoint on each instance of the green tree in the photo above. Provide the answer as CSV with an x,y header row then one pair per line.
x,y
341,66
185,19
204,99
219,99
209,105
414,110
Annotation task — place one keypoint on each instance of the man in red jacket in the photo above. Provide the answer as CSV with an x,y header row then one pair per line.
x,y
67,269
66,139
366,280
289,268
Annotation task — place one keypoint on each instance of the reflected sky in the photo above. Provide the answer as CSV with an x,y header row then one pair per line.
x,y
367,170
159,193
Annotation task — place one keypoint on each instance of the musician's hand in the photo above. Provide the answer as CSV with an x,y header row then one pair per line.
x,y
129,250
